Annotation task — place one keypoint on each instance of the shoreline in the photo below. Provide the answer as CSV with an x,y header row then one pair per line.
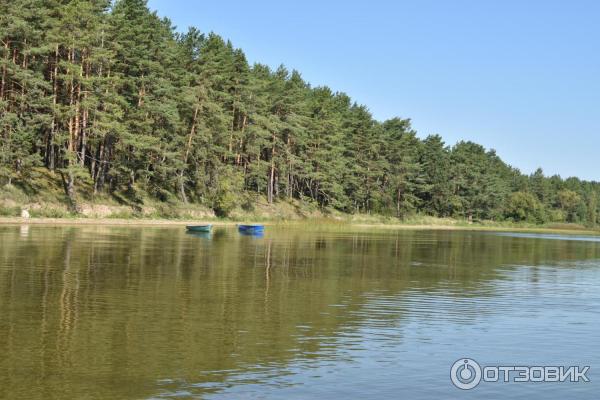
x,y
7,221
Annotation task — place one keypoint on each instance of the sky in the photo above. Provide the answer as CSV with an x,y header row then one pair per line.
x,y
520,77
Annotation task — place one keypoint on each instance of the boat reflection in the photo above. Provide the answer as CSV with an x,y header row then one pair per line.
x,y
203,235
253,233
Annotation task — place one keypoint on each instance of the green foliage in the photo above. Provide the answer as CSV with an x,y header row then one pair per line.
x,y
439,198
227,195
10,211
524,206
122,214
571,205
50,212
108,95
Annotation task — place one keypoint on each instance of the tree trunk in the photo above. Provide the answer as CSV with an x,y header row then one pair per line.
x,y
131,183
188,147
68,181
271,183
24,85
232,131
84,117
182,188
238,157
84,120
270,189
398,198
50,146
141,93
98,169
4,69
186,155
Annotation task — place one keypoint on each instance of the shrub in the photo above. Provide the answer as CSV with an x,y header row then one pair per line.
x,y
228,192
524,206
10,211
50,212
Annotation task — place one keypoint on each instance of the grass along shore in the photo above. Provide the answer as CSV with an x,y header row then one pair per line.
x,y
328,224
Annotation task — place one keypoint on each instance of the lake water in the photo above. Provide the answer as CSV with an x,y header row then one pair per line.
x,y
152,313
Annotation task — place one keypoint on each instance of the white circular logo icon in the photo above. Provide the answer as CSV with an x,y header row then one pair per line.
x,y
465,373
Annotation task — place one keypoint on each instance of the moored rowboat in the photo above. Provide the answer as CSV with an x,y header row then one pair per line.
x,y
199,228
251,228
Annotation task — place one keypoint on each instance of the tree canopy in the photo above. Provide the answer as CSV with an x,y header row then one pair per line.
x,y
111,93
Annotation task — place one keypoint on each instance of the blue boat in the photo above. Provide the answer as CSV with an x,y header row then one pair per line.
x,y
251,228
199,228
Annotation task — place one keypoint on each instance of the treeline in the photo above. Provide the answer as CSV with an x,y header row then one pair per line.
x,y
113,96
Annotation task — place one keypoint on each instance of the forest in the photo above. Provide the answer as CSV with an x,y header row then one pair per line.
x,y
113,95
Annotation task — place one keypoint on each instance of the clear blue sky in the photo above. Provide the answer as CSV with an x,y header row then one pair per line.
x,y
522,77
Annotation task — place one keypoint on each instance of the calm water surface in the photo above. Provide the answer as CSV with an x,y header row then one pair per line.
x,y
152,313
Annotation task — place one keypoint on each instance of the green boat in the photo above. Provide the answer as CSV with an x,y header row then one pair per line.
x,y
199,228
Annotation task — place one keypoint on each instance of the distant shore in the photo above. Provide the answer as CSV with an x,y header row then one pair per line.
x,y
105,221
333,224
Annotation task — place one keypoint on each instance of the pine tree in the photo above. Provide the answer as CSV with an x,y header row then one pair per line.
x,y
111,98
322,162
365,158
405,177
439,198
23,100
